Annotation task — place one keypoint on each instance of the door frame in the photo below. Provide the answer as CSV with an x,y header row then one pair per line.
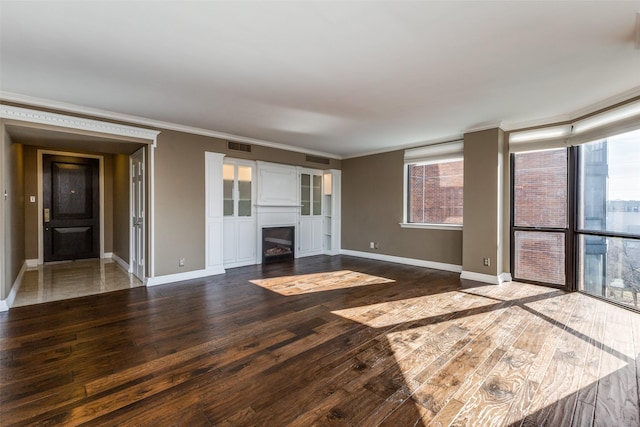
x,y
132,231
41,153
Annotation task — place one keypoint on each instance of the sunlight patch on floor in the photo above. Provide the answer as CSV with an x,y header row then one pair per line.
x,y
413,309
319,282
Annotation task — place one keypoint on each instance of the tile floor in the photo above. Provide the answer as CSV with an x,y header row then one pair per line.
x,y
71,279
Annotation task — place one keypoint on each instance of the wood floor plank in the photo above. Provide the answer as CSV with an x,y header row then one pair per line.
x,y
617,395
334,341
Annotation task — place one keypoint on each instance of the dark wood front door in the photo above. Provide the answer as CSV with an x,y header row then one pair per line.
x,y
71,208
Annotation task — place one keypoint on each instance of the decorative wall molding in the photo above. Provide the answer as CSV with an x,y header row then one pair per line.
x,y
122,263
486,278
14,289
179,277
505,277
77,109
401,260
77,123
593,108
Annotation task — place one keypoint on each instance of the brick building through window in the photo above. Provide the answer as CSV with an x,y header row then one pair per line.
x,y
540,201
435,193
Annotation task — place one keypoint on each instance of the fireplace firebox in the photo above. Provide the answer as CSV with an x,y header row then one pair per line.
x,y
277,244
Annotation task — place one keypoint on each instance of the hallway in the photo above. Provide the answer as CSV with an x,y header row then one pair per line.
x,y
71,279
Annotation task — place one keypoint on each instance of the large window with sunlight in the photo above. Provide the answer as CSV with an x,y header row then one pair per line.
x,y
608,221
576,213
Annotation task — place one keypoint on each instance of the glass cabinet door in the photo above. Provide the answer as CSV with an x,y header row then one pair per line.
x,y
228,176
237,190
244,191
317,195
305,194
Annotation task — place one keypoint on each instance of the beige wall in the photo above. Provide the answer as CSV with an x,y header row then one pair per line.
x,y
482,193
180,194
13,182
372,210
121,206
31,209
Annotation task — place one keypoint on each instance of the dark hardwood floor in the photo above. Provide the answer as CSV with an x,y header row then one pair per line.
x,y
322,341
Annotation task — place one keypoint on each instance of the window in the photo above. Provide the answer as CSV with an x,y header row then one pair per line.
x,y
608,222
540,220
576,207
433,194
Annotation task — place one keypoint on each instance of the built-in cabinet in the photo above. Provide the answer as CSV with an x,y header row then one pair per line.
x,y
213,213
310,220
331,211
244,197
239,222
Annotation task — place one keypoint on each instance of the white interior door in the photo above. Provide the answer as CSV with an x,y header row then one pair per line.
x,y
137,255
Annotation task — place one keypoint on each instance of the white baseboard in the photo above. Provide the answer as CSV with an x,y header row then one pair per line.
x,y
486,278
3,305
122,263
401,260
505,277
108,255
32,263
14,289
178,277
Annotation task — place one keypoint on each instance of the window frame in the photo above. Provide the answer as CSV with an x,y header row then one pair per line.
x,y
431,154
574,231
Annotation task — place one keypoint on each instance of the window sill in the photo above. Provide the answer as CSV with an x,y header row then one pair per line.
x,y
431,226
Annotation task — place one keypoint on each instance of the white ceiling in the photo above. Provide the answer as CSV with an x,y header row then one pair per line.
x,y
344,78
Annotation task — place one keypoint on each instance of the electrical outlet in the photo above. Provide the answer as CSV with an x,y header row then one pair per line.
x,y
486,262
372,245
181,262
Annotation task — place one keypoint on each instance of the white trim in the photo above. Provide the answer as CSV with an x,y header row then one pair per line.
x,y
40,177
16,286
77,123
122,263
443,140
431,226
108,255
32,263
505,277
593,108
401,260
151,210
71,108
4,167
179,277
486,126
479,277
435,153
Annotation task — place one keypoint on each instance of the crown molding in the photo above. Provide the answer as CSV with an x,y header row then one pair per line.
x,y
452,138
569,117
110,115
484,126
77,123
